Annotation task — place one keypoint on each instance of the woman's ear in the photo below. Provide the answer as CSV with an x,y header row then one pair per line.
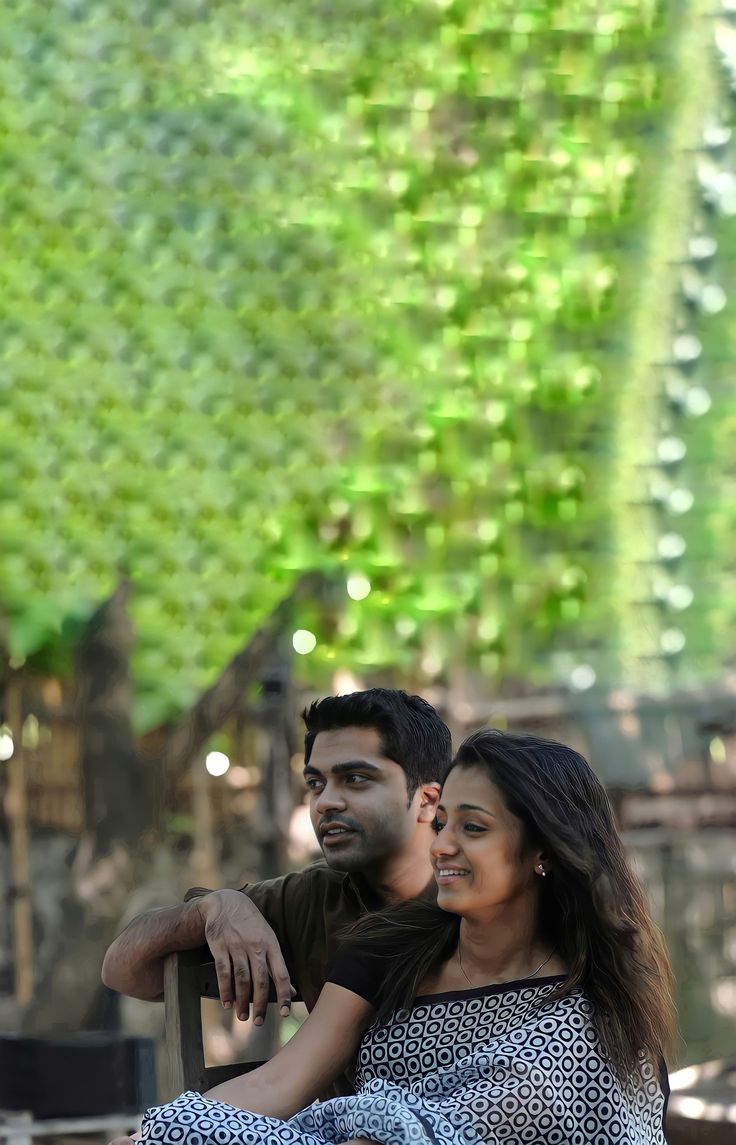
x,y
429,794
541,865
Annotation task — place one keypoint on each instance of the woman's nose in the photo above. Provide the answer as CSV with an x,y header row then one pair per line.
x,y
443,844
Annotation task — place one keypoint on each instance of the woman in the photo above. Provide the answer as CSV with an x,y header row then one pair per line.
x,y
531,1004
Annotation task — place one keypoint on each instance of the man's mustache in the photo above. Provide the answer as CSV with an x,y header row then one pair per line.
x,y
337,820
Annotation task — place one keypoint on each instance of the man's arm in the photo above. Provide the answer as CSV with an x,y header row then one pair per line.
x,y
244,947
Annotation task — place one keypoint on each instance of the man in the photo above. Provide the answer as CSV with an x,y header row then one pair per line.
x,y
374,763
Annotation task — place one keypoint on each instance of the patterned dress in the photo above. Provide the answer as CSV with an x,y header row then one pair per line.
x,y
496,1065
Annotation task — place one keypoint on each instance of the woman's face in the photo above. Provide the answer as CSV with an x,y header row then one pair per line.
x,y
479,861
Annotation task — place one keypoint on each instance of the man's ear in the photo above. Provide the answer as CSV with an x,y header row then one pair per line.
x,y
429,797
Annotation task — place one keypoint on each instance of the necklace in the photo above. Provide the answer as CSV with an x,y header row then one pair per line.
x,y
532,975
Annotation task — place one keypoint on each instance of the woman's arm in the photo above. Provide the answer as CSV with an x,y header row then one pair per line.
x,y
317,1054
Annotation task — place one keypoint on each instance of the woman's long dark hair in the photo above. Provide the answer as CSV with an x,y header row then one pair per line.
x,y
592,907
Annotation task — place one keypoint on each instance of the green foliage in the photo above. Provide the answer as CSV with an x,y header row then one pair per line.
x,y
303,285
699,591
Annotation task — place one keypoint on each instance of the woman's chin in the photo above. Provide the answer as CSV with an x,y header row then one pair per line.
x,y
448,899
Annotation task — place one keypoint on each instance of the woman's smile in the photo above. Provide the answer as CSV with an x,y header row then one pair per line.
x,y
446,876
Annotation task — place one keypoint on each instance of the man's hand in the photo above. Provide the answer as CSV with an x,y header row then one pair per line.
x,y
247,955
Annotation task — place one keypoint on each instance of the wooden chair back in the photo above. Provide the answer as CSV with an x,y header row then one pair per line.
x,y
189,976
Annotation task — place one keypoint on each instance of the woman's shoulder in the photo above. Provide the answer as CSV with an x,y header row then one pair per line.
x,y
360,969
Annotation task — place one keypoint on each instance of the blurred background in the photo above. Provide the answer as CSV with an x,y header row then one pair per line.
x,y
383,342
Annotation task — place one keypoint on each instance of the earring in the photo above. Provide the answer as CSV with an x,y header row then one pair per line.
x,y
542,871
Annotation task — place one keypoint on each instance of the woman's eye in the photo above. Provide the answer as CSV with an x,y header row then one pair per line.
x,y
474,828
437,826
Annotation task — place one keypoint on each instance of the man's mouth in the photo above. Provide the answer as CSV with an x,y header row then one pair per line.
x,y
334,833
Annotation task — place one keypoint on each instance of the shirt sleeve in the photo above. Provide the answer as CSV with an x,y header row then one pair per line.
x,y
359,971
299,908
270,897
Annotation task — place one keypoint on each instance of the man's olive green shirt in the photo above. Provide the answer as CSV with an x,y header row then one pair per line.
x,y
308,911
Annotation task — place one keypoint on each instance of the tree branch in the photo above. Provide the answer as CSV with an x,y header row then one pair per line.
x,y
117,781
224,697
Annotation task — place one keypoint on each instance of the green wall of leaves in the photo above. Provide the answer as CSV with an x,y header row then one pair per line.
x,y
340,286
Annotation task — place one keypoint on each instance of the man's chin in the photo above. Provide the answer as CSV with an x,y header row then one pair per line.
x,y
348,857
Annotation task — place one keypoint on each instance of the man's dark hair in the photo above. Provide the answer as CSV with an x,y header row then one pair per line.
x,y
412,734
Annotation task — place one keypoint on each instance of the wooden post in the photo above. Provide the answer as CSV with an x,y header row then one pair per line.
x,y
205,873
204,853
16,807
184,1051
275,720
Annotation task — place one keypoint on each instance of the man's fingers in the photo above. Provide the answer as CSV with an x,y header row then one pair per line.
x,y
280,976
224,971
261,985
243,987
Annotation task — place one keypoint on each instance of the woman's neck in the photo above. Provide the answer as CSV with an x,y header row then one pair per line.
x,y
503,949
491,952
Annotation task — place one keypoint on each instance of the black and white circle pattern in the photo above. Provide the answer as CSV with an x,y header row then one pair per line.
x,y
504,1067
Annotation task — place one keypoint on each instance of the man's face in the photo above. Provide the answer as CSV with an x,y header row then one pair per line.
x,y
358,800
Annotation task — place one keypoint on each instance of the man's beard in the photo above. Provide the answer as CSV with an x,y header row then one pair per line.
x,y
364,852
350,856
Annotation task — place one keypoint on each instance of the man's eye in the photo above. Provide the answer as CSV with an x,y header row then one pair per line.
x,y
314,784
353,779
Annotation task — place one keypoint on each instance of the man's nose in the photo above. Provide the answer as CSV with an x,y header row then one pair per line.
x,y
330,798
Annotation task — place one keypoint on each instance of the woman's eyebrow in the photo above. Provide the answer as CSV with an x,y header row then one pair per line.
x,y
475,807
469,807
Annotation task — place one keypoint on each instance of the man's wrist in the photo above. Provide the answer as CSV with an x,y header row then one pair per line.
x,y
189,926
196,911
215,900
